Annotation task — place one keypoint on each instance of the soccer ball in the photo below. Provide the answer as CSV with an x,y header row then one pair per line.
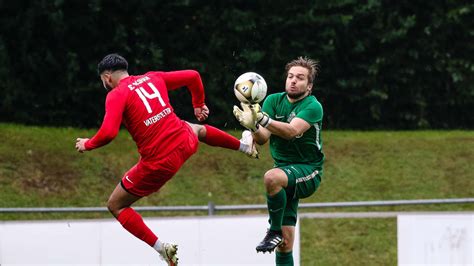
x,y
250,88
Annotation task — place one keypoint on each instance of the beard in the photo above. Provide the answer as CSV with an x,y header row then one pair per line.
x,y
107,87
296,95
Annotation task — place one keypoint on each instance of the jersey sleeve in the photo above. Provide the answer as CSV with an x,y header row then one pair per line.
x,y
186,78
312,113
114,107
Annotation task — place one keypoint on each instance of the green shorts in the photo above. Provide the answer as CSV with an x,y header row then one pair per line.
x,y
303,181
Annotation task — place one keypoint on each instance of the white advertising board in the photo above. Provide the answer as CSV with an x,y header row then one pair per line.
x,y
216,240
441,239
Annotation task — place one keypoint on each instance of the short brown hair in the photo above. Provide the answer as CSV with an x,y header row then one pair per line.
x,y
308,63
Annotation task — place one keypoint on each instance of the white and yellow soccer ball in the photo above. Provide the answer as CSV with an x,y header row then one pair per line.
x,y
250,88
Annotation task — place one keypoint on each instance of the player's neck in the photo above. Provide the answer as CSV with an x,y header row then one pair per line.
x,y
293,100
119,75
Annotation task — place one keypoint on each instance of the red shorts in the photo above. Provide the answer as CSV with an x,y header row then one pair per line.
x,y
145,178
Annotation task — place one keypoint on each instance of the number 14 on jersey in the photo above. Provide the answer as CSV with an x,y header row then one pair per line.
x,y
145,96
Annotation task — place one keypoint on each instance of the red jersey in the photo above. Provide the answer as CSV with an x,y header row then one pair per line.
x,y
142,103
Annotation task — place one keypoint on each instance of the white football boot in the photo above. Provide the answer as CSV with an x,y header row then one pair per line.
x,y
169,254
247,145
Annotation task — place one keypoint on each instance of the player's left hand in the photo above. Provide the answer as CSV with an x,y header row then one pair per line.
x,y
262,118
246,116
80,144
201,113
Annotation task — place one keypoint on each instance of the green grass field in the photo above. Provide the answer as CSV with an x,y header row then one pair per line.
x,y
39,167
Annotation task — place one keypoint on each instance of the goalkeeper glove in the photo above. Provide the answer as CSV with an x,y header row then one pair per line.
x,y
262,118
246,116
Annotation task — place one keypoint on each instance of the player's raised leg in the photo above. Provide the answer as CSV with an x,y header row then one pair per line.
x,y
216,137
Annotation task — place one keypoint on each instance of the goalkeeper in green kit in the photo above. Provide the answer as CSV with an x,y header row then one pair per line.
x,y
292,121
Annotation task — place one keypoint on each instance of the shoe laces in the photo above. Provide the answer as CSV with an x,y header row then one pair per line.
x,y
270,235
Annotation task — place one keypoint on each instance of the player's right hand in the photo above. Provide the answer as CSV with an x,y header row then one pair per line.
x,y
80,144
201,113
246,116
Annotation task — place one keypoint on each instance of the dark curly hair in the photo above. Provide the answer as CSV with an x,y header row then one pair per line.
x,y
112,62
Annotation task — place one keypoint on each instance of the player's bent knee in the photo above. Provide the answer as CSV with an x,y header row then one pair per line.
x,y
274,179
113,208
201,132
269,180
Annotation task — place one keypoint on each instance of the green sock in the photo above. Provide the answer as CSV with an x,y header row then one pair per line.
x,y
284,259
276,207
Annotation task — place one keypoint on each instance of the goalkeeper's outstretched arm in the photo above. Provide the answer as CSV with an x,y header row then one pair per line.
x,y
288,131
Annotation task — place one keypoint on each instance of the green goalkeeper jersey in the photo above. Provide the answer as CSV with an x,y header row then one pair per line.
x,y
303,149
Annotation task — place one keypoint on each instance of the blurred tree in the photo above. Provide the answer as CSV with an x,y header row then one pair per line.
x,y
384,64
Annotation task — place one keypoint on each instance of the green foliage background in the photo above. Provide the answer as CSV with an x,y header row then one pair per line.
x,y
385,64
39,167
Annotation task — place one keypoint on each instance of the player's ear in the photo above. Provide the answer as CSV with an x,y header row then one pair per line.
x,y
102,76
106,78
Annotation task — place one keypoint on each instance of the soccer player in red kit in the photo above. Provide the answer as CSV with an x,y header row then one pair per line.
x,y
164,141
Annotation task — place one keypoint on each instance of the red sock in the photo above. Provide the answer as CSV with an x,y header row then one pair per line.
x,y
133,222
217,137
